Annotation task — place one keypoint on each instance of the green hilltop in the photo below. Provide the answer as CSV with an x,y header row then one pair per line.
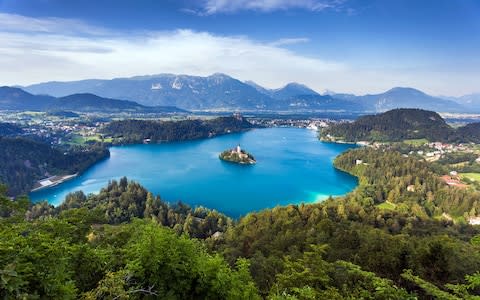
x,y
401,124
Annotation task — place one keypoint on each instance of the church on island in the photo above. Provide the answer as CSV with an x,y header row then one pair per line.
x,y
237,155
238,150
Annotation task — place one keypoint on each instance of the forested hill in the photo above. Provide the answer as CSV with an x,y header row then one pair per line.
x,y
401,124
8,129
96,247
24,161
17,99
122,201
469,133
136,131
388,174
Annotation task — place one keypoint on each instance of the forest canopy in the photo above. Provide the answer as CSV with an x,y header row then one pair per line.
x,y
401,124
23,161
137,131
127,243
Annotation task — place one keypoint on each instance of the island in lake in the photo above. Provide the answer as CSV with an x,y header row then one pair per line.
x,y
237,155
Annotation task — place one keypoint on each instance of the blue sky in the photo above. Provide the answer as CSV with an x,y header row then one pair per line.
x,y
342,45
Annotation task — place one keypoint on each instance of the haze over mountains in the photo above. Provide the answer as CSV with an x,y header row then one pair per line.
x,y
221,92
471,101
17,99
403,97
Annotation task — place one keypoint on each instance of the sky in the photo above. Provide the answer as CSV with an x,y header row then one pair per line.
x,y
348,46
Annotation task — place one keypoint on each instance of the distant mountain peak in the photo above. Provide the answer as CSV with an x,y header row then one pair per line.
x,y
220,91
327,92
405,90
9,89
219,78
220,75
79,95
296,85
292,89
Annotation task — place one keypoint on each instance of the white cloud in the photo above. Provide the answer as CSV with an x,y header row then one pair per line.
x,y
229,6
19,23
64,50
30,52
289,41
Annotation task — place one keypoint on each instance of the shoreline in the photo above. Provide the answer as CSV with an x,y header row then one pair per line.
x,y
161,142
312,200
238,162
52,181
339,142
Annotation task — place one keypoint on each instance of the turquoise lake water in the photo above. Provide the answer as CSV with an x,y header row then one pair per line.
x,y
293,166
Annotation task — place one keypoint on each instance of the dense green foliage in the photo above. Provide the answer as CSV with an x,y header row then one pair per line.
x,y
346,248
124,243
386,175
75,256
122,201
23,161
381,242
357,230
456,158
8,129
470,133
459,161
399,125
136,131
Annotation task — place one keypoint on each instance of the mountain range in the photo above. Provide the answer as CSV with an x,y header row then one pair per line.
x,y
216,92
471,102
12,98
220,92
403,97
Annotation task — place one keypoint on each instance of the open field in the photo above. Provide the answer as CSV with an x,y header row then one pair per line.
x,y
416,142
470,176
387,205
80,140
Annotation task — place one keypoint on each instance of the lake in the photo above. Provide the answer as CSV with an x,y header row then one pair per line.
x,y
293,166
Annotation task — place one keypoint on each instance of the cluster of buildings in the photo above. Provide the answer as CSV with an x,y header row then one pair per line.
x,y
438,149
434,151
313,124
453,180
237,150
57,132
50,128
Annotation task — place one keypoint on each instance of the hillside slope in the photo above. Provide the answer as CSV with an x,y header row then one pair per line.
x,y
23,161
17,99
393,125
135,131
